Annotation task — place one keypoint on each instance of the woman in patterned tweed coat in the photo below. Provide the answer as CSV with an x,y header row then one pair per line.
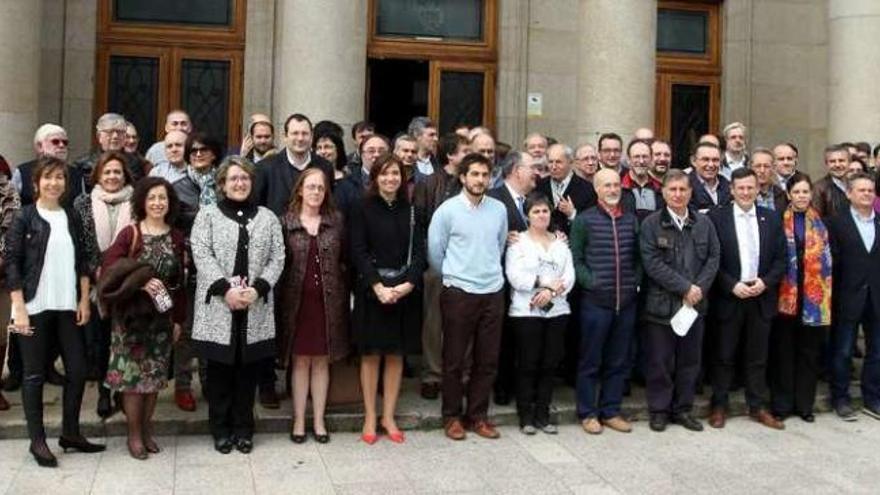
x,y
238,250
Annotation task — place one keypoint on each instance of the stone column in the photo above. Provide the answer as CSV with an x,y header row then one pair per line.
x,y
854,70
616,67
19,77
320,60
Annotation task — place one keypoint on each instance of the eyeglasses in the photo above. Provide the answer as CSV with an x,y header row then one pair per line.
x,y
238,178
118,132
198,149
58,142
314,187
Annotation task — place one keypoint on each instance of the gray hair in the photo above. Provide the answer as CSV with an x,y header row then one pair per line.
x,y
566,150
110,121
229,162
47,130
513,160
418,125
403,137
732,126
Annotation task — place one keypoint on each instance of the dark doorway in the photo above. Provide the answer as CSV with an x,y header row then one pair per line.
x,y
398,91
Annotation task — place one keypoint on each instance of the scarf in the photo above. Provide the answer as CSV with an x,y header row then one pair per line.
x,y
205,181
817,271
111,212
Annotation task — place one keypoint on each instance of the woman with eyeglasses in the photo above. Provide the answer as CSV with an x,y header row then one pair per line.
x,y
315,296
238,250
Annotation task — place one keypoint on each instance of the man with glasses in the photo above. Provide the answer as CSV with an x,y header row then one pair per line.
x,y
111,134
610,150
586,162
710,189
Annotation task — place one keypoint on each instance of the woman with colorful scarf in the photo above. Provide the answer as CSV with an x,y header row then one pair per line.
x,y
103,213
801,327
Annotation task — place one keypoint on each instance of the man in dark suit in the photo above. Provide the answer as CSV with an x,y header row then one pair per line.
x,y
752,264
855,250
519,180
569,193
277,174
711,189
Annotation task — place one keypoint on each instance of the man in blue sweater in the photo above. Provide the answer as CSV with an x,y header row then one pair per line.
x,y
465,243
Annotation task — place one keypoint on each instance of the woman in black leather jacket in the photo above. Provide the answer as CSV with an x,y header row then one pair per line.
x,y
50,298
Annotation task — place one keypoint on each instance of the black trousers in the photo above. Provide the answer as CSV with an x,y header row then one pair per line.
x,y
793,369
745,323
14,361
506,380
672,366
540,347
36,352
231,390
97,339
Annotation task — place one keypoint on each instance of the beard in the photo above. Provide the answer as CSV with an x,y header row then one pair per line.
x,y
475,189
611,201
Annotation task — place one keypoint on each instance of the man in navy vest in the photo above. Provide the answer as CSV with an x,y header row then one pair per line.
x,y
605,250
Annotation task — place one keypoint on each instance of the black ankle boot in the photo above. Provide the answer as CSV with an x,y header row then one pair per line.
x,y
42,454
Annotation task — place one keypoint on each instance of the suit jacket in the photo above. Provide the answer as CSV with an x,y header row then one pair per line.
x,y
515,221
856,271
581,193
276,177
771,259
828,199
700,199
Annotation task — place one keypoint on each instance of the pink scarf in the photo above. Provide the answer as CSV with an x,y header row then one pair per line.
x,y
105,230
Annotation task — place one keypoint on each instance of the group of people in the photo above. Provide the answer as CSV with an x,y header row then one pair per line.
x,y
504,269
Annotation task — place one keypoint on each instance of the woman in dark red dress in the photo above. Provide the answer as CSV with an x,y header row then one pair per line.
x,y
315,309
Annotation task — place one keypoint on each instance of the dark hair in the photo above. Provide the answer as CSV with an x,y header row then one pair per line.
x,y
646,142
328,207
328,127
863,147
139,199
606,136
876,150
341,158
382,164
208,141
790,145
835,148
742,173
501,150
48,164
536,198
797,178
448,144
104,159
855,159
705,144
361,126
847,144
470,159
374,136
4,168
299,118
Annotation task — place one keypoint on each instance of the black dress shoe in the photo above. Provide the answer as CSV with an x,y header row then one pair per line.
x,y
12,383
223,445
244,445
297,438
80,444
808,417
688,422
42,454
321,438
658,422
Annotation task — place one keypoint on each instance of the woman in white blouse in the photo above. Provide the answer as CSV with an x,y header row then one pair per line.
x,y
540,273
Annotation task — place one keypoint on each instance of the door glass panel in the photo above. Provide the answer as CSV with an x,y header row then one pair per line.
x,y
682,31
133,92
204,94
198,12
461,99
398,91
452,19
690,119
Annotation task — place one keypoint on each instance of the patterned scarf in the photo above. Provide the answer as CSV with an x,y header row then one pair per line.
x,y
205,182
817,271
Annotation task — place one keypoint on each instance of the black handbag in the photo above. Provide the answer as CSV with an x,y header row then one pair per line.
x,y
392,277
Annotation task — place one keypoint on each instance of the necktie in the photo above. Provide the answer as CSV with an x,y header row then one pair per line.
x,y
520,201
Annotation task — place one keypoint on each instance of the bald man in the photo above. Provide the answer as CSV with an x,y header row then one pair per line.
x,y
604,247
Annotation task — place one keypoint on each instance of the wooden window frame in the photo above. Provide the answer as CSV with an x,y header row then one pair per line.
x,y
436,69
232,36
171,43
664,100
415,48
701,63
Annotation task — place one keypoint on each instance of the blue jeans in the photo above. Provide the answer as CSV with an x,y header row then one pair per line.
x,y
842,336
604,364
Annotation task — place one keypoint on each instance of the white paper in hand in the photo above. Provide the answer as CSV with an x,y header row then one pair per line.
x,y
683,320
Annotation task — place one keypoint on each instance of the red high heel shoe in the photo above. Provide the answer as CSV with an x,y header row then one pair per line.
x,y
369,438
396,437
